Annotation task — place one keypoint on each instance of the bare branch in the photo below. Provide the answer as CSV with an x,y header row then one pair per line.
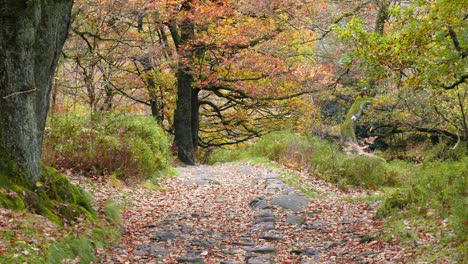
x,y
18,93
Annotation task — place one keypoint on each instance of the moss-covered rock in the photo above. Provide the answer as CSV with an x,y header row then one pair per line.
x,y
54,196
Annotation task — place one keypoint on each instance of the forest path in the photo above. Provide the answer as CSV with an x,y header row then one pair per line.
x,y
241,213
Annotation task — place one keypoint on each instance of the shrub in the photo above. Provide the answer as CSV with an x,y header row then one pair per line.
x,y
129,147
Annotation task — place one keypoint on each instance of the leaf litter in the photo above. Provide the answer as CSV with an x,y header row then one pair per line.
x,y
206,216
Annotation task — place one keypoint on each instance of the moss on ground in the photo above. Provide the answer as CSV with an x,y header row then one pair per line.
x,y
53,196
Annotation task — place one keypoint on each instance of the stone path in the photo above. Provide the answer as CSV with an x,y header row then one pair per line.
x,y
239,213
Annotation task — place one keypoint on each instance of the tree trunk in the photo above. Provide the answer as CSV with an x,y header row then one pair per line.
x,y
32,34
183,116
382,16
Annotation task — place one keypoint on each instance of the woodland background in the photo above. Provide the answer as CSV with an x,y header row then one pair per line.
x,y
365,94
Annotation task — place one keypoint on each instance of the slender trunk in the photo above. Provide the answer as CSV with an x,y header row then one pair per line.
x,y
461,104
108,99
382,16
167,49
155,109
32,34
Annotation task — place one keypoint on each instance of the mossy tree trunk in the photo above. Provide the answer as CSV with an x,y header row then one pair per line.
x,y
355,113
32,34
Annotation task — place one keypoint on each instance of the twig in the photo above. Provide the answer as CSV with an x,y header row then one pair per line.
x,y
18,93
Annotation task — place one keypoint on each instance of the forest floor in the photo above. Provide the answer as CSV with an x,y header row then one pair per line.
x,y
243,213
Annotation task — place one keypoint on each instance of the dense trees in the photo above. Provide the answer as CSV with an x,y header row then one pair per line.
x,y
217,73
231,62
32,34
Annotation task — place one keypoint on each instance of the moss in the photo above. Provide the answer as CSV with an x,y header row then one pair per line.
x,y
53,196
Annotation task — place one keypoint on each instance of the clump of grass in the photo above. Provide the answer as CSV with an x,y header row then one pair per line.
x,y
113,211
131,148
76,250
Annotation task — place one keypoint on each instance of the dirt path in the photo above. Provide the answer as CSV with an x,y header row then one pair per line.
x,y
239,213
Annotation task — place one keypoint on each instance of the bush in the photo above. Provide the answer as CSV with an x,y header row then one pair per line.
x,y
131,148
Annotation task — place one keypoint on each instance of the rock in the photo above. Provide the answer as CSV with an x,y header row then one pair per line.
x,y
335,244
194,253
202,243
309,252
169,221
268,249
163,236
263,226
318,224
195,215
258,203
295,219
121,247
349,222
271,238
226,262
185,229
264,213
306,252
260,260
200,181
149,226
190,260
151,250
293,202
265,219
244,241
275,185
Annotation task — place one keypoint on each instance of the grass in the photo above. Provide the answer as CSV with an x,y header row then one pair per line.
x,y
319,157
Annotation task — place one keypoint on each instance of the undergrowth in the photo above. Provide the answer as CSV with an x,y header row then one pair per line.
x,y
319,157
131,148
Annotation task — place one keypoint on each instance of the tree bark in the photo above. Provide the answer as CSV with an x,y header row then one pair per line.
x,y
32,34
